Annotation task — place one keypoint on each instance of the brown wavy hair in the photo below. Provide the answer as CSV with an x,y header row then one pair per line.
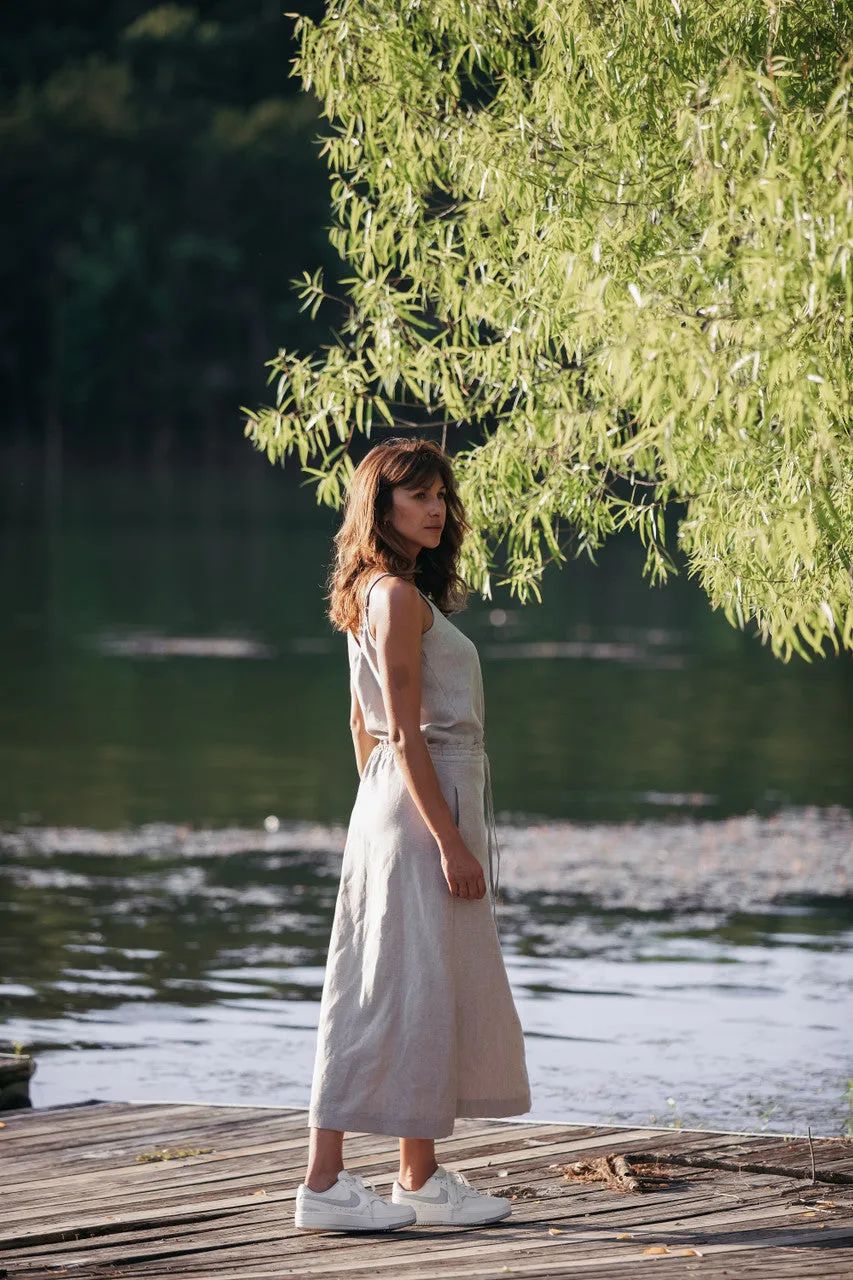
x,y
366,543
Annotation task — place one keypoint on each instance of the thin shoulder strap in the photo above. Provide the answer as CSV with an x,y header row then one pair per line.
x,y
367,597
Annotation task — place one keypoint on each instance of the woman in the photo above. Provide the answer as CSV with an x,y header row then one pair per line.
x,y
417,1023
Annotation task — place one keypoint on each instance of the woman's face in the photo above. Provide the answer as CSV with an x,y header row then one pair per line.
x,y
418,514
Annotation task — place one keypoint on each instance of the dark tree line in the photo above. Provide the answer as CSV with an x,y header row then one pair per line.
x,y
160,186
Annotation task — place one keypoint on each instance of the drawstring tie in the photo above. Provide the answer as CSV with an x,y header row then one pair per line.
x,y
494,847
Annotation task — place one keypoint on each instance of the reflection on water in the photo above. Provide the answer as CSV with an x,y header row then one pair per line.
x,y
165,659
636,654
146,644
197,975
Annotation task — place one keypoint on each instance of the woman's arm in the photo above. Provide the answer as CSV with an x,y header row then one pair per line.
x,y
362,741
395,609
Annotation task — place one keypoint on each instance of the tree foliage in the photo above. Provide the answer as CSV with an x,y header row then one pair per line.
x,y
612,238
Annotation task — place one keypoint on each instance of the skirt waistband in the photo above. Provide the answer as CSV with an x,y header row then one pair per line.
x,y
447,750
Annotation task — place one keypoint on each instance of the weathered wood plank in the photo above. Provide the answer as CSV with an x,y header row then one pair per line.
x,y
555,1258
366,1151
185,1238
475,1140
573,1200
368,1154
359,1164
494,1255
82,1119
835,1164
197,1217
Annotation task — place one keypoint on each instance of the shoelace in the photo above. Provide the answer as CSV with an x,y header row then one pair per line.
x,y
458,1186
362,1185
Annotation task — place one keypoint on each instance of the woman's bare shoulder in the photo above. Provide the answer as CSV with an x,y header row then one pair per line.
x,y
396,594
395,601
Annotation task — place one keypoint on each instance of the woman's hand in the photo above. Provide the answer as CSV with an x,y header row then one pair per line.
x,y
463,873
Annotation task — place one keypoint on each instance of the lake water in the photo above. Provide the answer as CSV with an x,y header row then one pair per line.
x,y
164,659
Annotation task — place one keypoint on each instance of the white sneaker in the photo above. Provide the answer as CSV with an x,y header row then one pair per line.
x,y
348,1205
448,1199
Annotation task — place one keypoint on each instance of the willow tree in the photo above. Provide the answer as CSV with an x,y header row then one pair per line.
x,y
612,239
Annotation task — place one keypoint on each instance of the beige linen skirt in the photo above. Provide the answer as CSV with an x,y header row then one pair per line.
x,y
417,1021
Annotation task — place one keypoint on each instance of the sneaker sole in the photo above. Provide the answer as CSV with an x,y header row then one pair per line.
x,y
317,1223
426,1218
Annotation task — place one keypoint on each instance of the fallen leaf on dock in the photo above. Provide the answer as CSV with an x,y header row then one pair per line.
x,y
555,1231
690,1253
259,1193
626,1235
656,1248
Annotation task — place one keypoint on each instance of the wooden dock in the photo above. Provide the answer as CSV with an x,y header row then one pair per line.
x,y
156,1191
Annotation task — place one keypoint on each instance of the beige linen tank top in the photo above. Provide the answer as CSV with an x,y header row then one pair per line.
x,y
452,710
